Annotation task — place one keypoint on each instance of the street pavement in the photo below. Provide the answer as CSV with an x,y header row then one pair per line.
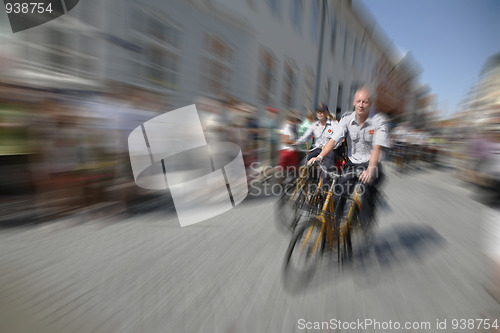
x,y
145,273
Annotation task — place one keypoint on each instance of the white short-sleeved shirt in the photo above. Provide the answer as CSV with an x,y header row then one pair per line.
x,y
321,134
362,139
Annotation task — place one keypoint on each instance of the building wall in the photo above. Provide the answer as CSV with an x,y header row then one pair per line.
x,y
115,41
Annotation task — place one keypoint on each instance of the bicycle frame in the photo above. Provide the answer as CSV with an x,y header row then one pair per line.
x,y
324,229
356,203
327,216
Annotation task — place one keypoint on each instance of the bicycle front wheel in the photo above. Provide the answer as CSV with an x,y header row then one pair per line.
x,y
305,249
345,247
285,211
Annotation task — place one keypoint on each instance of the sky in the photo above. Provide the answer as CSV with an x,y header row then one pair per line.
x,y
450,39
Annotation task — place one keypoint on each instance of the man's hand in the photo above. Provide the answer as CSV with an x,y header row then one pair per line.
x,y
368,175
313,160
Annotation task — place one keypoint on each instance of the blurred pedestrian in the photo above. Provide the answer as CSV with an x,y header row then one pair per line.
x,y
310,118
288,157
271,125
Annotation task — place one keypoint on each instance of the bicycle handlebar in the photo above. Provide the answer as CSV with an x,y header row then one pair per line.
x,y
308,150
317,162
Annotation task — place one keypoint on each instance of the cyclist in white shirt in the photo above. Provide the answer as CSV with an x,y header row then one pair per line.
x,y
321,130
366,133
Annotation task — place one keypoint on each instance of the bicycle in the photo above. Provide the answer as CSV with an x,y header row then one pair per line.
x,y
299,195
302,195
325,231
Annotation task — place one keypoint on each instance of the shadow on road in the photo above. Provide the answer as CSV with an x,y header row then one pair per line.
x,y
374,261
404,242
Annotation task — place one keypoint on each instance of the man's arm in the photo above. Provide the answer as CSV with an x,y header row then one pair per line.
x,y
371,173
285,138
380,140
307,135
339,133
327,149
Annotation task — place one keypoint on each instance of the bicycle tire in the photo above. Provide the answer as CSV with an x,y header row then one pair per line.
x,y
291,203
345,247
315,202
305,250
285,213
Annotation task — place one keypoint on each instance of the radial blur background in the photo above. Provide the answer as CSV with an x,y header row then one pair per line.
x,y
73,89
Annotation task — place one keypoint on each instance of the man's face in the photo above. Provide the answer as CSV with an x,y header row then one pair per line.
x,y
362,103
321,115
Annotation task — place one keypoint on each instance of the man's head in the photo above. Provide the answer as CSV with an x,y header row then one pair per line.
x,y
322,112
310,115
293,117
362,101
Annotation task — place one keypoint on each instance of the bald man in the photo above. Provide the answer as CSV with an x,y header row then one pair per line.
x,y
366,133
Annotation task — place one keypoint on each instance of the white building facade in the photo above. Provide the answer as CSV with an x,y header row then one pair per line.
x,y
260,52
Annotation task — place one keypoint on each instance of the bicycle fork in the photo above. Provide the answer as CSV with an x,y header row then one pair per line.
x,y
356,203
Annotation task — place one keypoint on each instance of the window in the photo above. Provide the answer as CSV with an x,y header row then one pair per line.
x,y
251,3
161,31
138,21
91,14
333,36
314,20
172,36
160,61
56,39
344,44
339,101
156,29
162,67
374,69
289,85
57,51
368,58
274,5
216,68
86,47
354,87
267,76
4,24
362,58
308,88
296,15
327,91
218,48
354,51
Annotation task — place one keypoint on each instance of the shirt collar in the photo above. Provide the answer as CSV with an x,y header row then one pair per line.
x,y
368,120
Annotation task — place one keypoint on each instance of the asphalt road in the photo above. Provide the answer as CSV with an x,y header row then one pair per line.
x,y
147,274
